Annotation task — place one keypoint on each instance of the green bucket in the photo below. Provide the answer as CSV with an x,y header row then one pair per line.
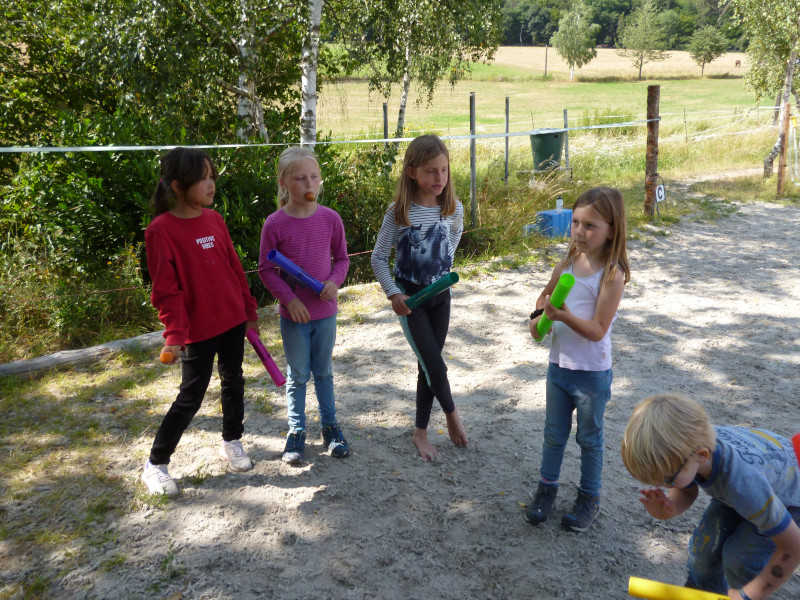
x,y
546,147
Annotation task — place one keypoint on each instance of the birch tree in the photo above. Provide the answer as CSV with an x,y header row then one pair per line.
x,y
706,44
421,41
642,38
773,27
308,69
575,39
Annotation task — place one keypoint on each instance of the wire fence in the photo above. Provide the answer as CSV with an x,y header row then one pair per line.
x,y
731,125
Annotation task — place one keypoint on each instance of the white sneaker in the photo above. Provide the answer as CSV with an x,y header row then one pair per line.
x,y
236,456
158,481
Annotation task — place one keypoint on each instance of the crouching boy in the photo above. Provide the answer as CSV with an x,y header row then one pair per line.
x,y
747,543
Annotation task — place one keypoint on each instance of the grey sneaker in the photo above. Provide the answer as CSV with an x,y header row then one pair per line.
x,y
295,445
334,441
583,513
158,481
542,506
234,453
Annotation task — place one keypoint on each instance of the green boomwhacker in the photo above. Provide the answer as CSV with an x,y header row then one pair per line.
x,y
437,286
563,288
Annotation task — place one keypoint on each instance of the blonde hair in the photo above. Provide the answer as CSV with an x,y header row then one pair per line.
x,y
610,206
420,151
663,431
286,163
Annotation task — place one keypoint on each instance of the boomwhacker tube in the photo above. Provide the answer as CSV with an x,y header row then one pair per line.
x,y
292,269
437,286
266,359
563,288
655,590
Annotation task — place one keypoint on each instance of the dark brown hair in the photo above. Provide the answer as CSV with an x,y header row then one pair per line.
x,y
185,166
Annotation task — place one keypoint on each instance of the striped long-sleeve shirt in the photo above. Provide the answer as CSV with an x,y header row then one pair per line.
x,y
424,251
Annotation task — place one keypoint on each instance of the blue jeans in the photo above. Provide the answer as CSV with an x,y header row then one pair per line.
x,y
726,550
588,392
308,348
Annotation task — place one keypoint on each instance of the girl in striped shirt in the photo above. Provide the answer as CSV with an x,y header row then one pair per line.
x,y
424,225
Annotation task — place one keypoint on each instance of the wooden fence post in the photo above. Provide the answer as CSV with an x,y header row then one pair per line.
x,y
651,164
787,108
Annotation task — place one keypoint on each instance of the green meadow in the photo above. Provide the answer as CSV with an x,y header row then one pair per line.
x,y
347,108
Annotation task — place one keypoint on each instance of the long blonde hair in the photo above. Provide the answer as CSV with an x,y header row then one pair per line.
x,y
421,151
610,206
286,162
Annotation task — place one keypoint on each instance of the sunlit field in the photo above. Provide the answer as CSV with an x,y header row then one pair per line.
x,y
605,86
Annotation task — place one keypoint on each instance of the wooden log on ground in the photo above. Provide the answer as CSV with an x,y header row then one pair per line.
x,y
81,357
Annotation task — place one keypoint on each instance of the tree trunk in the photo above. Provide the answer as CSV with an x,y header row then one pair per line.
x,y
401,113
308,78
776,114
571,71
250,111
787,91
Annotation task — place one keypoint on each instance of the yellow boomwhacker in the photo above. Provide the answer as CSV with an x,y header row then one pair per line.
x,y
655,590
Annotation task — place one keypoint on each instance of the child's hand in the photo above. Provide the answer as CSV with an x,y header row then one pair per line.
x,y
399,304
298,311
532,327
553,313
329,290
170,355
657,503
251,325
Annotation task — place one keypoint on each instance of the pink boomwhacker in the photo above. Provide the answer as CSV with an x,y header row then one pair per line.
x,y
266,359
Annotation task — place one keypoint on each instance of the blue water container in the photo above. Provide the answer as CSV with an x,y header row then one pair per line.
x,y
554,223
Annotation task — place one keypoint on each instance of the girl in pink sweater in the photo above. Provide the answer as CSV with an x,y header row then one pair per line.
x,y
312,237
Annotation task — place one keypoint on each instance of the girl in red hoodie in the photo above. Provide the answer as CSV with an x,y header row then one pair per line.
x,y
203,300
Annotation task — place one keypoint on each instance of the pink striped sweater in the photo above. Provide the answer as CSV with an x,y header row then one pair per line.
x,y
317,245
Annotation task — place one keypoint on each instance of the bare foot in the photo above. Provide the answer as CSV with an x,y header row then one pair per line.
x,y
426,450
456,430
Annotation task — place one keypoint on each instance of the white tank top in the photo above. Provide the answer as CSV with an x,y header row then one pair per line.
x,y
570,350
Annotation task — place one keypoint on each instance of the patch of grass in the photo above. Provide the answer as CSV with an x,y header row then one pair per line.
x,y
747,189
112,562
200,475
356,302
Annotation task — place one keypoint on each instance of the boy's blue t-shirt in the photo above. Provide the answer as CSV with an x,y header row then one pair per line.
x,y
755,472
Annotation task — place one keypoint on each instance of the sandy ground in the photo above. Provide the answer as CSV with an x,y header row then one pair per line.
x,y
712,311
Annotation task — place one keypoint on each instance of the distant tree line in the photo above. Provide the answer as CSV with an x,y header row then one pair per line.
x,y
534,22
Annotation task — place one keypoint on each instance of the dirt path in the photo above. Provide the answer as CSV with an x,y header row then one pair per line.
x,y
712,311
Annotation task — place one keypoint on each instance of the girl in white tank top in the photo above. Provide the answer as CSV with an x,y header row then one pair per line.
x,y
579,374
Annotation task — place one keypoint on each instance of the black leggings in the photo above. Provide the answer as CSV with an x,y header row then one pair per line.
x,y
197,365
426,330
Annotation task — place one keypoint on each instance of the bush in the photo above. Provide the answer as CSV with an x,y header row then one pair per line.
x,y
50,303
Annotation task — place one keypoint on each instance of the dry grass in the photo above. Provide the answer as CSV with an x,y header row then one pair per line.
x,y
610,64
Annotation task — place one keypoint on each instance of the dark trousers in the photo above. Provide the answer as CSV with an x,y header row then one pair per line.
x,y
426,330
197,365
